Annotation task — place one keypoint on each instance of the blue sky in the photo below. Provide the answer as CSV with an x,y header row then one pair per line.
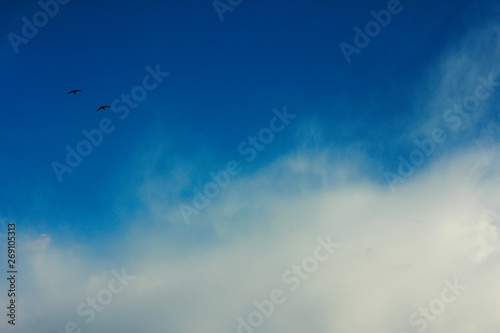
x,y
353,120
225,78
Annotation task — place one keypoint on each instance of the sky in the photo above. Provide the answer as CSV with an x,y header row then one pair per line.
x,y
263,166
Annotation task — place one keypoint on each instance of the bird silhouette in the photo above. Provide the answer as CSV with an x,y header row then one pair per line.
x,y
103,107
74,91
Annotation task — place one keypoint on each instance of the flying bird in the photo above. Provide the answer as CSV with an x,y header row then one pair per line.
x,y
74,91
103,107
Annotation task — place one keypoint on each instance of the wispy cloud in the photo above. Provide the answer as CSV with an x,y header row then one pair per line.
x,y
397,249
402,253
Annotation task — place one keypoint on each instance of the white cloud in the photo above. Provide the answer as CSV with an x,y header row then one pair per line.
x,y
454,78
397,249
